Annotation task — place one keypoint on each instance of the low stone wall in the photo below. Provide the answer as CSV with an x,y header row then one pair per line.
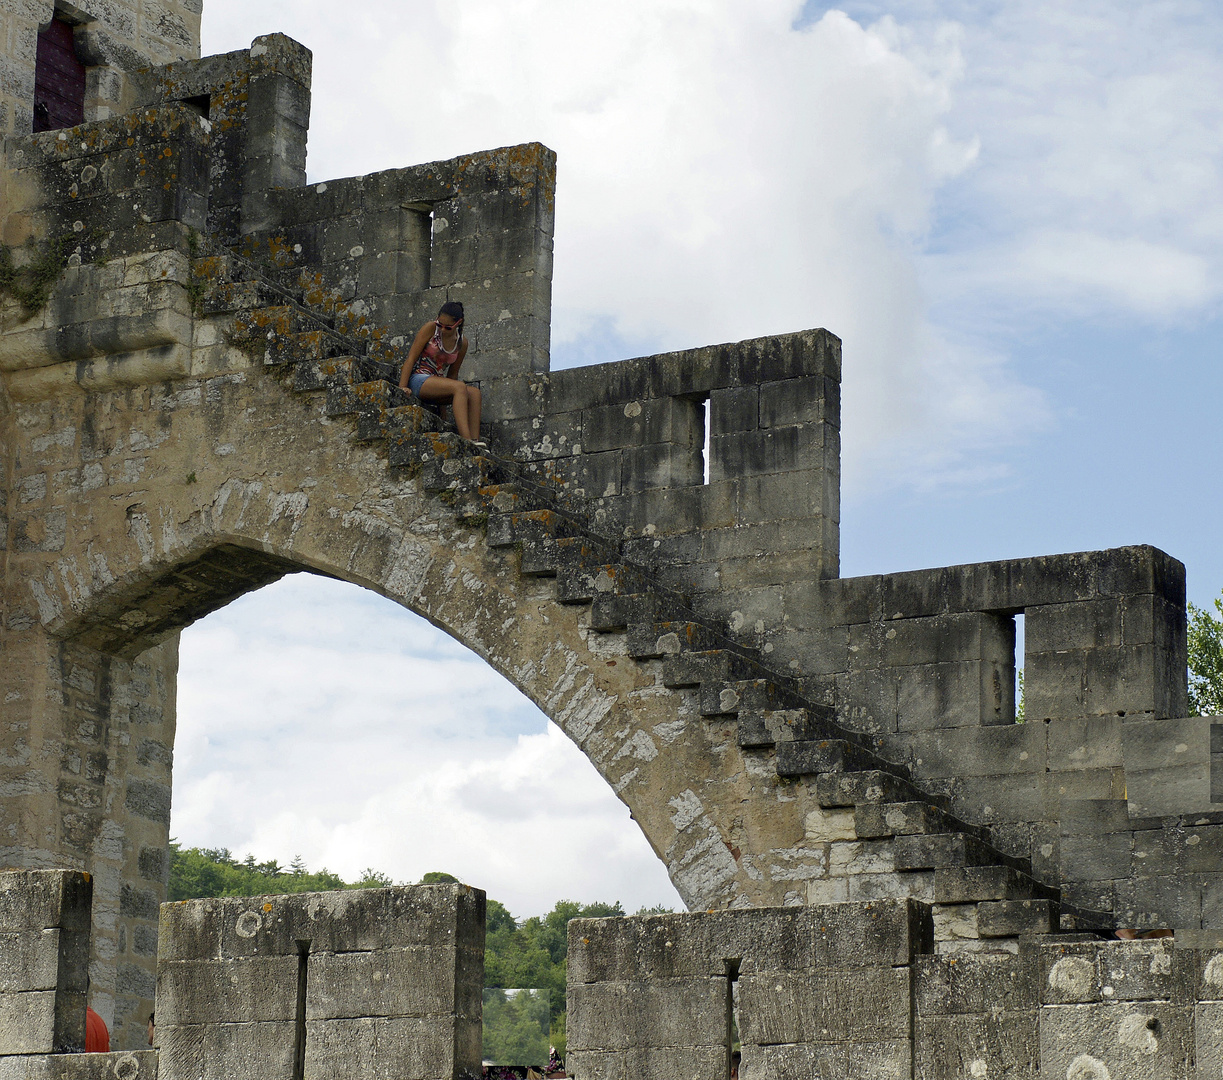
x,y
352,985
852,991
328,985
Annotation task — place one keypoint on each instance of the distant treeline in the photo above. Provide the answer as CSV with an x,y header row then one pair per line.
x,y
530,954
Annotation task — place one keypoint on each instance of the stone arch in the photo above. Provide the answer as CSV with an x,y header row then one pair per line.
x,y
113,576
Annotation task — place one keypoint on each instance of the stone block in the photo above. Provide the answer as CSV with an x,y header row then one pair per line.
x,y
886,933
416,981
969,693
661,465
1096,858
27,1023
258,989
341,1049
679,1062
29,960
975,983
995,1043
39,899
223,1051
825,1006
1124,1041
1208,1038
811,399
655,1013
1009,918
117,1065
732,409
333,922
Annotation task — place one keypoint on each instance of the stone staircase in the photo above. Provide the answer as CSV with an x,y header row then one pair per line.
x,y
907,840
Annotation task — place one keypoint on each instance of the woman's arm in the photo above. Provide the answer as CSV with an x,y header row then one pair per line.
x,y
418,346
454,368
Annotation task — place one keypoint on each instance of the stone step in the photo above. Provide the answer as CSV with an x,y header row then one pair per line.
x,y
288,318
1013,918
726,699
760,729
294,348
527,524
456,474
370,400
810,757
222,297
324,374
413,450
596,580
973,884
714,665
612,611
912,818
395,418
938,851
867,786
503,498
539,557
648,639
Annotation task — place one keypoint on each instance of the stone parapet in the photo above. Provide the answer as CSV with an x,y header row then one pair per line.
x,y
328,985
853,990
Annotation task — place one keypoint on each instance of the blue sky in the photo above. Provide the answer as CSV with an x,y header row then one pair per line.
x,y
1011,213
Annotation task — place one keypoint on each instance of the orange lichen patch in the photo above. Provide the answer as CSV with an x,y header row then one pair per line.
x,y
440,447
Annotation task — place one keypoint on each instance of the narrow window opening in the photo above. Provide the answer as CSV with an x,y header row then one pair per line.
x,y
59,79
733,1052
705,449
299,1049
1019,702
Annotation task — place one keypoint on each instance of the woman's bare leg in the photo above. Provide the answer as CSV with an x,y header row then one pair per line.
x,y
436,388
473,411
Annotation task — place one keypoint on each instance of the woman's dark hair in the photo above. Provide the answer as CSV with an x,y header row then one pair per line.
x,y
452,308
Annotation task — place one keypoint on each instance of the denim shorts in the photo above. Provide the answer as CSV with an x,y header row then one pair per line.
x,y
415,382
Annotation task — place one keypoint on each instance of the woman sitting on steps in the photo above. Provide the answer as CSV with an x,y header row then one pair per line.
x,y
431,371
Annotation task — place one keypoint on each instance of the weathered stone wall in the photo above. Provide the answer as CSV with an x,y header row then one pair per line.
x,y
113,38
352,985
813,991
201,406
343,985
852,990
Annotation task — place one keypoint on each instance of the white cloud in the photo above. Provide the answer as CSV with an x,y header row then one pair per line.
x,y
319,720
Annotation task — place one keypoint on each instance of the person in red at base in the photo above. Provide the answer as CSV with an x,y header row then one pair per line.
x,y
97,1038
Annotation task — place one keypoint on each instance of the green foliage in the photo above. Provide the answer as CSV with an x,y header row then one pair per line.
x,y
200,872
1206,660
30,284
1021,704
436,877
516,1027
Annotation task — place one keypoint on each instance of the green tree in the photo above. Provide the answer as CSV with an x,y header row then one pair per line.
x,y
517,1024
203,872
1206,660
